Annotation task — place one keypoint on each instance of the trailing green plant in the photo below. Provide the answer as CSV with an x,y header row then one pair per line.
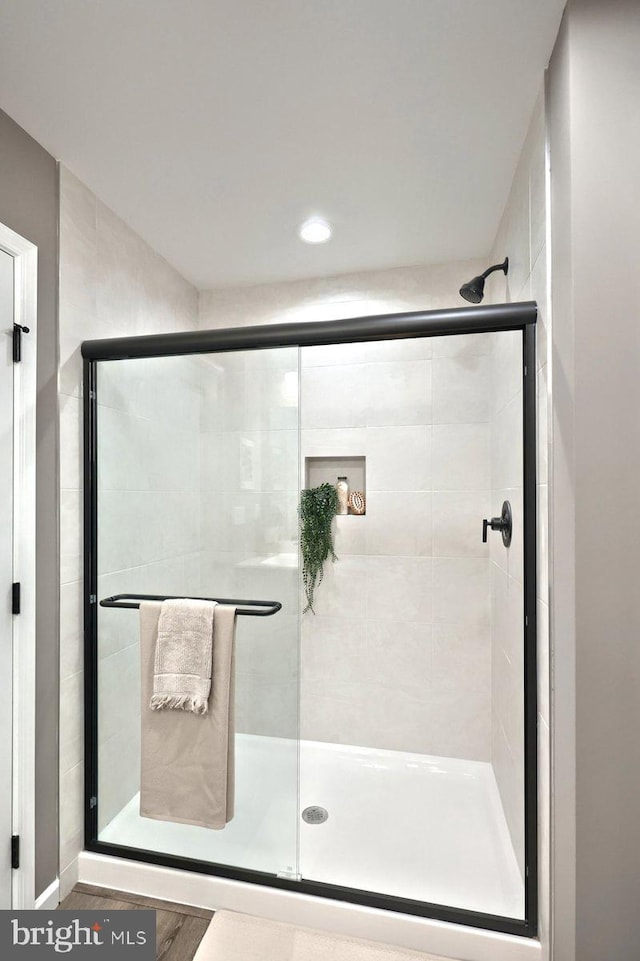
x,y
318,507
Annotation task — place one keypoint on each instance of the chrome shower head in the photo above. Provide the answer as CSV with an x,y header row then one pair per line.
x,y
473,291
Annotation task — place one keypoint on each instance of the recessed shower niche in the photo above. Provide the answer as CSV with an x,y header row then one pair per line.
x,y
408,698
327,470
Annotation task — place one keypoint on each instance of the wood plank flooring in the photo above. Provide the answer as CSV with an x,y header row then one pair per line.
x,y
179,927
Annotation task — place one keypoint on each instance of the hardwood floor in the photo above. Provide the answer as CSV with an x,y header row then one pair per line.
x,y
179,927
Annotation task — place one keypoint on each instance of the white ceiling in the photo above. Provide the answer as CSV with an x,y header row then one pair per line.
x,y
214,127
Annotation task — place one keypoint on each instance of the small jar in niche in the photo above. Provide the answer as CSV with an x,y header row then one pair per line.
x,y
342,488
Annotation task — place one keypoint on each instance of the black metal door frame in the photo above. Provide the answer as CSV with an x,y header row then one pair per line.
x,y
432,323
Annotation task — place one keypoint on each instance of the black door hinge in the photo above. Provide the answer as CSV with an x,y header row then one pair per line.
x,y
18,331
15,851
15,598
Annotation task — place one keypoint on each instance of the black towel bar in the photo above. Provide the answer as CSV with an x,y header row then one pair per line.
x,y
132,601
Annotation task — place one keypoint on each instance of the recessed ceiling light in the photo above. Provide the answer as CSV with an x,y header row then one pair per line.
x,y
315,231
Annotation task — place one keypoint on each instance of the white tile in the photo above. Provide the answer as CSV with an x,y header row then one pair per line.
x,y
124,451
381,351
251,461
342,591
339,442
217,572
78,265
515,552
119,253
461,388
374,715
71,811
460,457
222,397
399,458
462,345
119,693
178,472
266,707
535,145
462,658
118,629
507,446
399,655
270,581
271,400
70,848
540,293
133,538
457,523
506,368
70,536
497,551
77,201
543,543
517,236
334,396
270,646
398,393
499,632
399,587
461,590
121,384
333,355
70,443
118,772
219,467
510,779
513,641
71,721
333,649
398,523
71,628
350,534
461,724
74,327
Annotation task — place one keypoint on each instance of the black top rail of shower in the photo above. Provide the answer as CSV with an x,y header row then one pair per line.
x,y
132,602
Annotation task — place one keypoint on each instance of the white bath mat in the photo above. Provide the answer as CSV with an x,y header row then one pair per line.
x,y
240,937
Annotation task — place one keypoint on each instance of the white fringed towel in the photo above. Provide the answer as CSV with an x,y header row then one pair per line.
x,y
182,665
187,759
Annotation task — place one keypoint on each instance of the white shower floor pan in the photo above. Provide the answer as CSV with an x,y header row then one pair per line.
x,y
409,825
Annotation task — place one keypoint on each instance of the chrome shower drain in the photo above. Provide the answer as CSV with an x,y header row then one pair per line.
x,y
315,814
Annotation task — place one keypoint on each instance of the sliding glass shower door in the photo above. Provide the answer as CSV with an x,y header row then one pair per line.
x,y
197,475
385,724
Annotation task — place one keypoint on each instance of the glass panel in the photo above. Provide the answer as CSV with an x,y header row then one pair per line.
x,y
198,490
412,665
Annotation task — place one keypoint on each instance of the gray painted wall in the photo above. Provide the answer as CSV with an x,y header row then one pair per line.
x,y
29,205
595,159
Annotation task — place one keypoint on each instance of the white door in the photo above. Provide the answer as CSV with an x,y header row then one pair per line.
x,y
6,572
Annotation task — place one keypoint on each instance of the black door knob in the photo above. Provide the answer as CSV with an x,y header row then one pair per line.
x,y
504,524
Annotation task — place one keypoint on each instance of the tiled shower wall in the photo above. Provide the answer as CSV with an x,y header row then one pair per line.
x,y
522,237
436,687
111,284
398,654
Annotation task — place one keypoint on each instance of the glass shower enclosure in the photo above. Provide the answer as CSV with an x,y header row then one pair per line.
x,y
386,739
